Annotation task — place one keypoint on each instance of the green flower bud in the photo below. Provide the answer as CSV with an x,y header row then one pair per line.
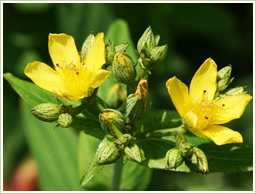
x,y
65,120
124,140
146,43
109,153
234,91
157,39
186,148
110,52
138,103
134,153
197,161
122,47
123,69
158,54
223,78
110,118
87,45
174,158
49,112
117,96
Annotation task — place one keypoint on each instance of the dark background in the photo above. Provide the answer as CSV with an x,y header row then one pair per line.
x,y
193,33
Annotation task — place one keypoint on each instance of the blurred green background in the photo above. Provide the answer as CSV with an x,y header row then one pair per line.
x,y
193,32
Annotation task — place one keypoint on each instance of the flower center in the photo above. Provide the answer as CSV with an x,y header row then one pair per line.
x,y
207,111
74,75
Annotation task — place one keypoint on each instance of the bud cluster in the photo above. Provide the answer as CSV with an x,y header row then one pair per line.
x,y
224,80
50,112
113,123
149,51
193,157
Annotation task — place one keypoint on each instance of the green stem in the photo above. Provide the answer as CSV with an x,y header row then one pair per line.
x,y
164,132
75,111
117,174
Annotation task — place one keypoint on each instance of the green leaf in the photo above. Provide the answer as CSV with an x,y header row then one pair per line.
x,y
54,152
228,158
158,119
93,167
31,93
89,127
131,175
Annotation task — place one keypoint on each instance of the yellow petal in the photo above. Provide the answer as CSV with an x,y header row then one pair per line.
x,y
99,78
45,77
62,47
204,82
96,56
232,107
222,135
178,92
191,121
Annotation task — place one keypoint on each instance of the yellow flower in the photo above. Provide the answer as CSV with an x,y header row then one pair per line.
x,y
73,76
201,112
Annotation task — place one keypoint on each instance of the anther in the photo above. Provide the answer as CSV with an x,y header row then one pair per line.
x,y
204,91
57,64
223,105
77,73
206,117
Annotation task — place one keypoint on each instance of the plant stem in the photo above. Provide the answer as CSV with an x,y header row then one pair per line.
x,y
118,167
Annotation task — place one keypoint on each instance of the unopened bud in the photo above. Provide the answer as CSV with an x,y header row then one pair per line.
x,y
186,148
65,120
124,140
197,161
117,96
146,43
234,91
110,52
110,118
49,112
87,45
123,69
157,39
122,47
174,158
158,54
109,153
223,78
134,153
138,103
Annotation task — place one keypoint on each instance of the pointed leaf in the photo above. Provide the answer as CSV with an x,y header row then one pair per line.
x,y
54,152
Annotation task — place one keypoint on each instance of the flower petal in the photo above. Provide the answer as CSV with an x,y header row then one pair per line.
x,y
178,92
232,107
96,56
222,135
62,48
191,120
99,78
45,77
204,82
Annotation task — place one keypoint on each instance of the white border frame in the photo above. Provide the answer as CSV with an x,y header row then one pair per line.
x,y
96,1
